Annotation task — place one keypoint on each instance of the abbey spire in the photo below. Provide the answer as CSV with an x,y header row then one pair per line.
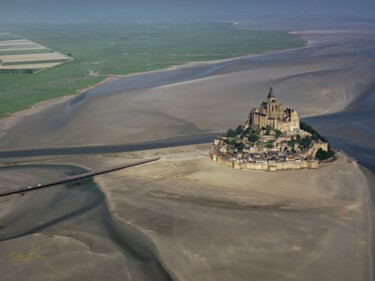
x,y
271,95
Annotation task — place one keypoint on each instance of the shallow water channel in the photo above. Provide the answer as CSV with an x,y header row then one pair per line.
x,y
78,206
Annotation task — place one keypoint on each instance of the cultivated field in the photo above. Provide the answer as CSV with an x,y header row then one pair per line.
x,y
18,54
30,66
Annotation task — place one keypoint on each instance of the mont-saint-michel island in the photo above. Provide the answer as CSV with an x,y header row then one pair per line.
x,y
272,138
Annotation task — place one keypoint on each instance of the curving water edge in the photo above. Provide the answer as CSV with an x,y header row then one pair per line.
x,y
133,244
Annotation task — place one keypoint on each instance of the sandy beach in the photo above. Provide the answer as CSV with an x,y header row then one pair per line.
x,y
185,217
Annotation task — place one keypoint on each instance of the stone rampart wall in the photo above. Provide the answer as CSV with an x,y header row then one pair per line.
x,y
292,165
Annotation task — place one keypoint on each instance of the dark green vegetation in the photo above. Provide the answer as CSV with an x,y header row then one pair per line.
x,y
231,133
16,71
101,50
324,155
303,143
314,134
253,136
320,154
235,137
7,36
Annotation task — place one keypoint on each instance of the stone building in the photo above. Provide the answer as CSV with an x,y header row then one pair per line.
x,y
280,145
272,113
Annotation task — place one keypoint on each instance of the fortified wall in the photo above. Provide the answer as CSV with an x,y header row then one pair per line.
x,y
270,167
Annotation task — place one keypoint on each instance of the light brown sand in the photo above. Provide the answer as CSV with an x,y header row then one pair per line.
x,y
207,221
210,222
38,257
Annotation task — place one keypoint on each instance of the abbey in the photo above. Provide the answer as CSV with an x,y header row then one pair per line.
x,y
272,138
272,113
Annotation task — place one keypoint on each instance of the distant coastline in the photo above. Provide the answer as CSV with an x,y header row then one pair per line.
x,y
12,118
134,50
113,77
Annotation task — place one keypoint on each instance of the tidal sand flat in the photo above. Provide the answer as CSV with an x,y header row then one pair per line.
x,y
204,98
186,217
109,49
210,222
67,232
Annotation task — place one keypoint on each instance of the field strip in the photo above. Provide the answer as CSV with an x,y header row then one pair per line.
x,y
15,42
34,62
33,57
24,48
30,66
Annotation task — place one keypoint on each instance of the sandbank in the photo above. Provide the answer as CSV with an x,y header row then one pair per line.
x,y
206,221
211,222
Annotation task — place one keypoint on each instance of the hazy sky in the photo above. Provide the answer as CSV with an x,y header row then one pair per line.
x,y
180,9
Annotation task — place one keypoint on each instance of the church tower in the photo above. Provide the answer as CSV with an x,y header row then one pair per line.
x,y
274,108
271,96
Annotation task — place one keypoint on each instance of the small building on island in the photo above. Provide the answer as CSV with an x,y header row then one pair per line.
x,y
272,138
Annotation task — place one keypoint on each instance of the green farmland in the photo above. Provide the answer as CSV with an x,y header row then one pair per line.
x,y
102,50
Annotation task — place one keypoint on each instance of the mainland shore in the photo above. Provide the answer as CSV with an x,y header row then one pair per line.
x,y
202,98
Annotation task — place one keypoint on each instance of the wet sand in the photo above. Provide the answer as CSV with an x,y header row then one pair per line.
x,y
205,222
67,232
323,77
214,223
